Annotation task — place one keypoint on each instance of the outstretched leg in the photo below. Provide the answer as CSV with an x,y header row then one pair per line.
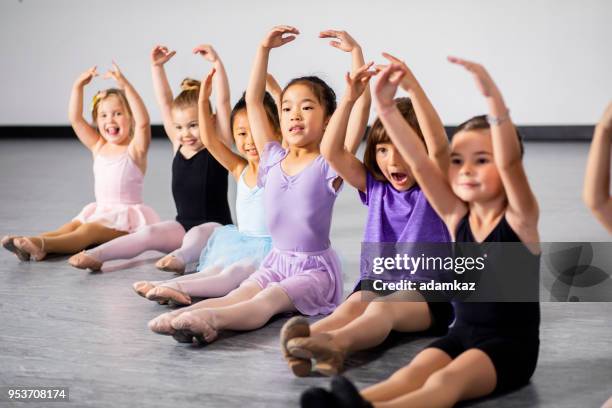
x,y
349,310
189,252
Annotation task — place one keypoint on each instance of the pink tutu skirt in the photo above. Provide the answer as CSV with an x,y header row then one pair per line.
x,y
121,217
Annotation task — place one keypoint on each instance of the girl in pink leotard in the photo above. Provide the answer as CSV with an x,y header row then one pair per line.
x,y
119,141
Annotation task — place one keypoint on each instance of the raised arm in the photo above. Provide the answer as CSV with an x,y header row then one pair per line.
x,y
522,204
432,181
222,92
260,127
208,132
142,124
333,148
274,89
431,125
163,93
596,193
360,112
84,131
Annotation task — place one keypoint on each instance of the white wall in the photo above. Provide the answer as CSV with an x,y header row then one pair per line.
x,y
551,58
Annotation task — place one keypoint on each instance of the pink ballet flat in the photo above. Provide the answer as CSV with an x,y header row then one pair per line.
x,y
9,244
25,244
84,261
166,294
142,287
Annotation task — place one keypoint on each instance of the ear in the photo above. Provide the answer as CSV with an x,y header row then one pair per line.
x,y
326,122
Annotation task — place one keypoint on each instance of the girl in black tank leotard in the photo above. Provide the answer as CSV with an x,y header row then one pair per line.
x,y
199,182
486,197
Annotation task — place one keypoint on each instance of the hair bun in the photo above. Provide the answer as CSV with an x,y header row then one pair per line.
x,y
190,84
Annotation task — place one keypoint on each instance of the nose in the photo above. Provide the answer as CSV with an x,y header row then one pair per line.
x,y
392,156
295,114
248,140
466,169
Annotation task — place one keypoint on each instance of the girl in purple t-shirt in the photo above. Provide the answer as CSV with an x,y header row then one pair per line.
x,y
398,211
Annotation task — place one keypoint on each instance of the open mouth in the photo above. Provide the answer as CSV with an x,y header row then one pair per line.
x,y
296,129
399,177
112,130
189,141
469,185
251,151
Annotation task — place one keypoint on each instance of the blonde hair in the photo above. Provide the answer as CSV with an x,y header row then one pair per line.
x,y
188,97
105,94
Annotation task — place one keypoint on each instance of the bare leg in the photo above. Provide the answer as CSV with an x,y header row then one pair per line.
x,y
85,235
470,375
349,310
408,378
248,315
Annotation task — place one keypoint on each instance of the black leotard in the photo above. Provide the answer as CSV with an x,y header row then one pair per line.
x,y
199,188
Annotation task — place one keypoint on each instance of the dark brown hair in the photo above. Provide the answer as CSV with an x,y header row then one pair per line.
x,y
324,93
269,106
480,122
378,134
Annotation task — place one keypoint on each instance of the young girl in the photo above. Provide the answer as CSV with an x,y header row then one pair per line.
x,y
397,212
301,272
235,252
199,182
492,346
596,192
119,141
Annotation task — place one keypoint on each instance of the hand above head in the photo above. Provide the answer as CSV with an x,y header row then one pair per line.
x,y
343,41
207,51
357,81
206,86
275,37
409,82
386,87
483,80
116,74
86,77
160,55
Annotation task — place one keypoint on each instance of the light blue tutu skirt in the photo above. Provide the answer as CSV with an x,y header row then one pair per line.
x,y
227,245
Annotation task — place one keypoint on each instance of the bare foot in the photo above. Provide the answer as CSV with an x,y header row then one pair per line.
x,y
162,323
167,293
83,260
321,347
34,246
171,263
9,244
199,323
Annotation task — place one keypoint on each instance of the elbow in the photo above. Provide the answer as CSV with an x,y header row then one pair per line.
x,y
594,202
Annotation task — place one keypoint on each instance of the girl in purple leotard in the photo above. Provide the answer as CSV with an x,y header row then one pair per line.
x,y
302,272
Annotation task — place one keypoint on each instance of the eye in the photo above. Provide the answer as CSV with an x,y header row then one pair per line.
x,y
193,125
178,127
456,161
308,107
285,109
381,149
118,113
482,160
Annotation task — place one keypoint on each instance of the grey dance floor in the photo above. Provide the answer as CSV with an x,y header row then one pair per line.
x,y
64,327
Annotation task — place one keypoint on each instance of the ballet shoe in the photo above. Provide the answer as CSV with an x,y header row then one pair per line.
x,y
295,327
329,358
166,294
9,244
142,287
162,324
317,397
26,244
347,394
84,261
170,263
197,323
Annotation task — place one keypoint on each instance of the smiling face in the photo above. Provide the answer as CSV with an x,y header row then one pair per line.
x,y
303,118
113,120
242,136
187,131
472,172
393,166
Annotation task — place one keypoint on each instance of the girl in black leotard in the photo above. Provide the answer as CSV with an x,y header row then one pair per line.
x,y
486,197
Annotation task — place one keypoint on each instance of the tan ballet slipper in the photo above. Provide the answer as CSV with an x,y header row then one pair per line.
x,y
84,261
329,357
8,243
142,287
295,327
170,263
26,244
166,293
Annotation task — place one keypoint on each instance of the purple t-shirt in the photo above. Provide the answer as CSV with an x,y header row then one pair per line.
x,y
400,216
299,207
397,217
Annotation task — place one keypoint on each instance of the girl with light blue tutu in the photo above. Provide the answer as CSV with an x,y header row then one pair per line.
x,y
232,253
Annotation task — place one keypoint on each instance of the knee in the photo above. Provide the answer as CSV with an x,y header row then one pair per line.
x,y
354,307
442,378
